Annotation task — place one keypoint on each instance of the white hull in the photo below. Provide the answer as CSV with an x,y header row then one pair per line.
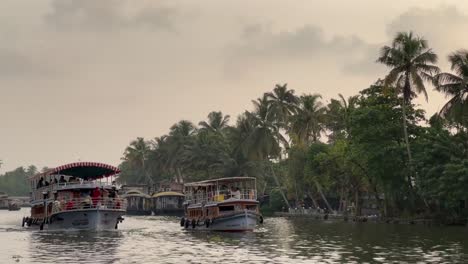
x,y
86,219
240,222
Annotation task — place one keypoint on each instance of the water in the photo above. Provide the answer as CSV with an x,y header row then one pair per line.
x,y
160,240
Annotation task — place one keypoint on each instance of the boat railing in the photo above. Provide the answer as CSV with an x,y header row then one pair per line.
x,y
88,203
37,194
220,196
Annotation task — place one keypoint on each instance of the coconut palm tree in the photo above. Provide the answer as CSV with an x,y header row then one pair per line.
x,y
180,135
338,115
308,121
136,154
264,140
411,63
455,85
283,103
217,122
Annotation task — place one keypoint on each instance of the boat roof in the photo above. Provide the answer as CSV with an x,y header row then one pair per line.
x,y
220,180
167,194
82,170
136,193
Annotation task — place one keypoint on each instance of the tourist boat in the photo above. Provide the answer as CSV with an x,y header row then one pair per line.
x,y
79,196
226,204
168,203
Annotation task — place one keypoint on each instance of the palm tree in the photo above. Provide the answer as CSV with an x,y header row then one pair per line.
x,y
217,122
411,63
283,103
180,136
264,140
455,85
338,115
307,122
137,154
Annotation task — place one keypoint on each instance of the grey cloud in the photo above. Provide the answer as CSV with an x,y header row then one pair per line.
x,y
308,43
14,65
108,15
443,27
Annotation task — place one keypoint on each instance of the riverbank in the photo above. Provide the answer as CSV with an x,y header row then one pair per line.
x,y
370,218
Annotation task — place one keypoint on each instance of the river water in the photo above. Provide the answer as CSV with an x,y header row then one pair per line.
x,y
152,239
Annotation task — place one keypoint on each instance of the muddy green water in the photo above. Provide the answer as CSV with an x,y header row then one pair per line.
x,y
279,240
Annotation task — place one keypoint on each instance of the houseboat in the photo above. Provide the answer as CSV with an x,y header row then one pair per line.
x,y
226,204
4,200
78,195
14,205
169,200
168,203
138,203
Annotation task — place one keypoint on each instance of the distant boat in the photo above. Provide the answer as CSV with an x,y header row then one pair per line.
x,y
4,201
76,196
138,203
168,203
226,204
13,206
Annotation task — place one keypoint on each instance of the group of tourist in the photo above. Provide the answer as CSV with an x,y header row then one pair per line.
x,y
42,183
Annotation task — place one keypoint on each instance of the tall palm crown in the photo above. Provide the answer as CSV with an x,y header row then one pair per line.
x,y
265,137
307,123
338,115
411,63
455,85
283,103
217,122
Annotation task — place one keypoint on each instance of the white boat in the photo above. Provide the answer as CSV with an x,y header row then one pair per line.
x,y
226,204
79,196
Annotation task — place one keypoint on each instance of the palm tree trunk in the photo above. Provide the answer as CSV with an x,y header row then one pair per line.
x,y
319,189
408,150
279,186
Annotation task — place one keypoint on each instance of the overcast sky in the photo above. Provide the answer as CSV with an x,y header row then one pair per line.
x,y
80,79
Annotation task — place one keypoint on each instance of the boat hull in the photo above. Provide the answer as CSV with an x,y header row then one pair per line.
x,y
241,222
92,219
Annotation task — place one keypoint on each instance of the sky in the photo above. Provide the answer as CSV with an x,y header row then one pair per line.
x,y
81,79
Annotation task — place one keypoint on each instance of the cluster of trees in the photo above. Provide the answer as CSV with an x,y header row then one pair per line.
x,y
374,145
15,182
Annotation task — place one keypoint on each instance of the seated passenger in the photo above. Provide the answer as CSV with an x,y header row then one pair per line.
x,y
70,205
62,179
235,193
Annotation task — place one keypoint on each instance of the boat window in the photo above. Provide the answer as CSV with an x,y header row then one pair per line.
x,y
251,207
226,208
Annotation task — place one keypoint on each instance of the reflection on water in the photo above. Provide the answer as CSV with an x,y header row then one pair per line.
x,y
161,240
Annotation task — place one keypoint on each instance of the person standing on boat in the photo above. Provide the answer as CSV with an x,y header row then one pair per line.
x,y
40,183
95,195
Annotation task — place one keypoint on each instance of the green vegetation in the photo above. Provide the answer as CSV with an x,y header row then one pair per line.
x,y
375,147
15,182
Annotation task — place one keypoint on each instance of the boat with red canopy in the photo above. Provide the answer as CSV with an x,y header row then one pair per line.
x,y
80,195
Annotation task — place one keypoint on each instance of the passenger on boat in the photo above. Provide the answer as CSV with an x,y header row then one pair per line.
x,y
236,194
70,205
40,183
55,180
46,183
62,179
95,195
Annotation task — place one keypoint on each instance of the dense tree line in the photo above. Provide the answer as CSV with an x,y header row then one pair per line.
x,y
375,145
16,182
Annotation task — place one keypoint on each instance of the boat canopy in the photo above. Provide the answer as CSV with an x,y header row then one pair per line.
x,y
83,170
220,181
136,193
161,194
